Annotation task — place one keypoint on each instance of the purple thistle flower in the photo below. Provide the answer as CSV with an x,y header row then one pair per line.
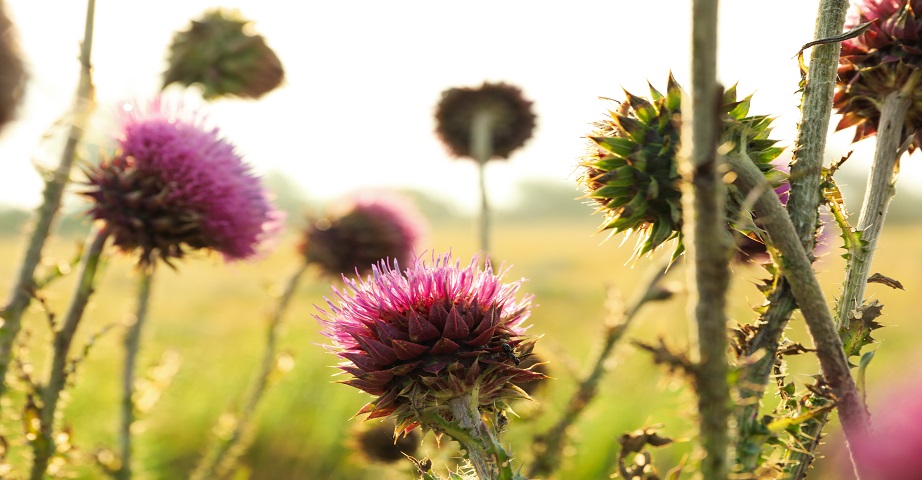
x,y
175,185
368,229
437,331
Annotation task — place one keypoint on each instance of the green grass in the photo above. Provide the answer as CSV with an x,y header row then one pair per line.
x,y
212,315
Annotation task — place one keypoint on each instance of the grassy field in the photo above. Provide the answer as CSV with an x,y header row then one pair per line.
x,y
212,316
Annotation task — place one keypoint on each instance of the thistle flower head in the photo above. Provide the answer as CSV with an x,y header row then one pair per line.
x,y
362,232
631,173
221,53
435,332
511,119
886,58
174,185
12,72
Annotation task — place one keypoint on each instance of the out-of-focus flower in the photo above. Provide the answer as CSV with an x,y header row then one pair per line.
x,y
12,73
420,338
892,452
362,232
174,185
221,52
630,171
510,118
378,443
886,58
753,250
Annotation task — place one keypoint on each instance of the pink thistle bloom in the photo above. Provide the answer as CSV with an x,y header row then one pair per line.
x,y
886,58
893,452
175,185
362,232
435,332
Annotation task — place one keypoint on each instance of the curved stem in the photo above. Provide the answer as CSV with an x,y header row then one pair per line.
x,y
22,292
132,345
220,459
797,269
802,207
43,447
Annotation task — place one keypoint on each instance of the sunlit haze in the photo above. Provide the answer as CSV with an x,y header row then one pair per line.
x,y
363,79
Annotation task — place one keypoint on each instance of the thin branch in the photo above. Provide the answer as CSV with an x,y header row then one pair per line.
x,y
549,446
23,289
132,345
220,459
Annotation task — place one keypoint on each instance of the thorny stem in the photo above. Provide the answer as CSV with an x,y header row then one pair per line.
x,y
132,345
221,458
880,191
549,446
802,206
22,292
482,150
478,438
43,447
796,267
703,199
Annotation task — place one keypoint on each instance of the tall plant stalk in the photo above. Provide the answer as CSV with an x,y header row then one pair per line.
x,y
43,447
797,269
482,150
881,189
23,289
132,344
803,208
703,199
221,457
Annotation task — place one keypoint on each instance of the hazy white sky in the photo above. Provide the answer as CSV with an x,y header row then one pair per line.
x,y
363,78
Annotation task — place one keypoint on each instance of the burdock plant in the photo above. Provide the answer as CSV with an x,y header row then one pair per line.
x,y
439,346
484,123
173,186
221,53
631,171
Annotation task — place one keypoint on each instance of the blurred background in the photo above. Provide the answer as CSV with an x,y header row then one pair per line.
x,y
355,113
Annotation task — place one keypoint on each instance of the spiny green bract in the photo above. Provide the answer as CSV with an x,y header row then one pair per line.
x,y
631,169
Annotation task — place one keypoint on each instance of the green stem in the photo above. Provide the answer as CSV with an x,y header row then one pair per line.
x,y
480,442
132,345
22,292
797,269
43,447
703,199
220,460
803,203
880,191
548,447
